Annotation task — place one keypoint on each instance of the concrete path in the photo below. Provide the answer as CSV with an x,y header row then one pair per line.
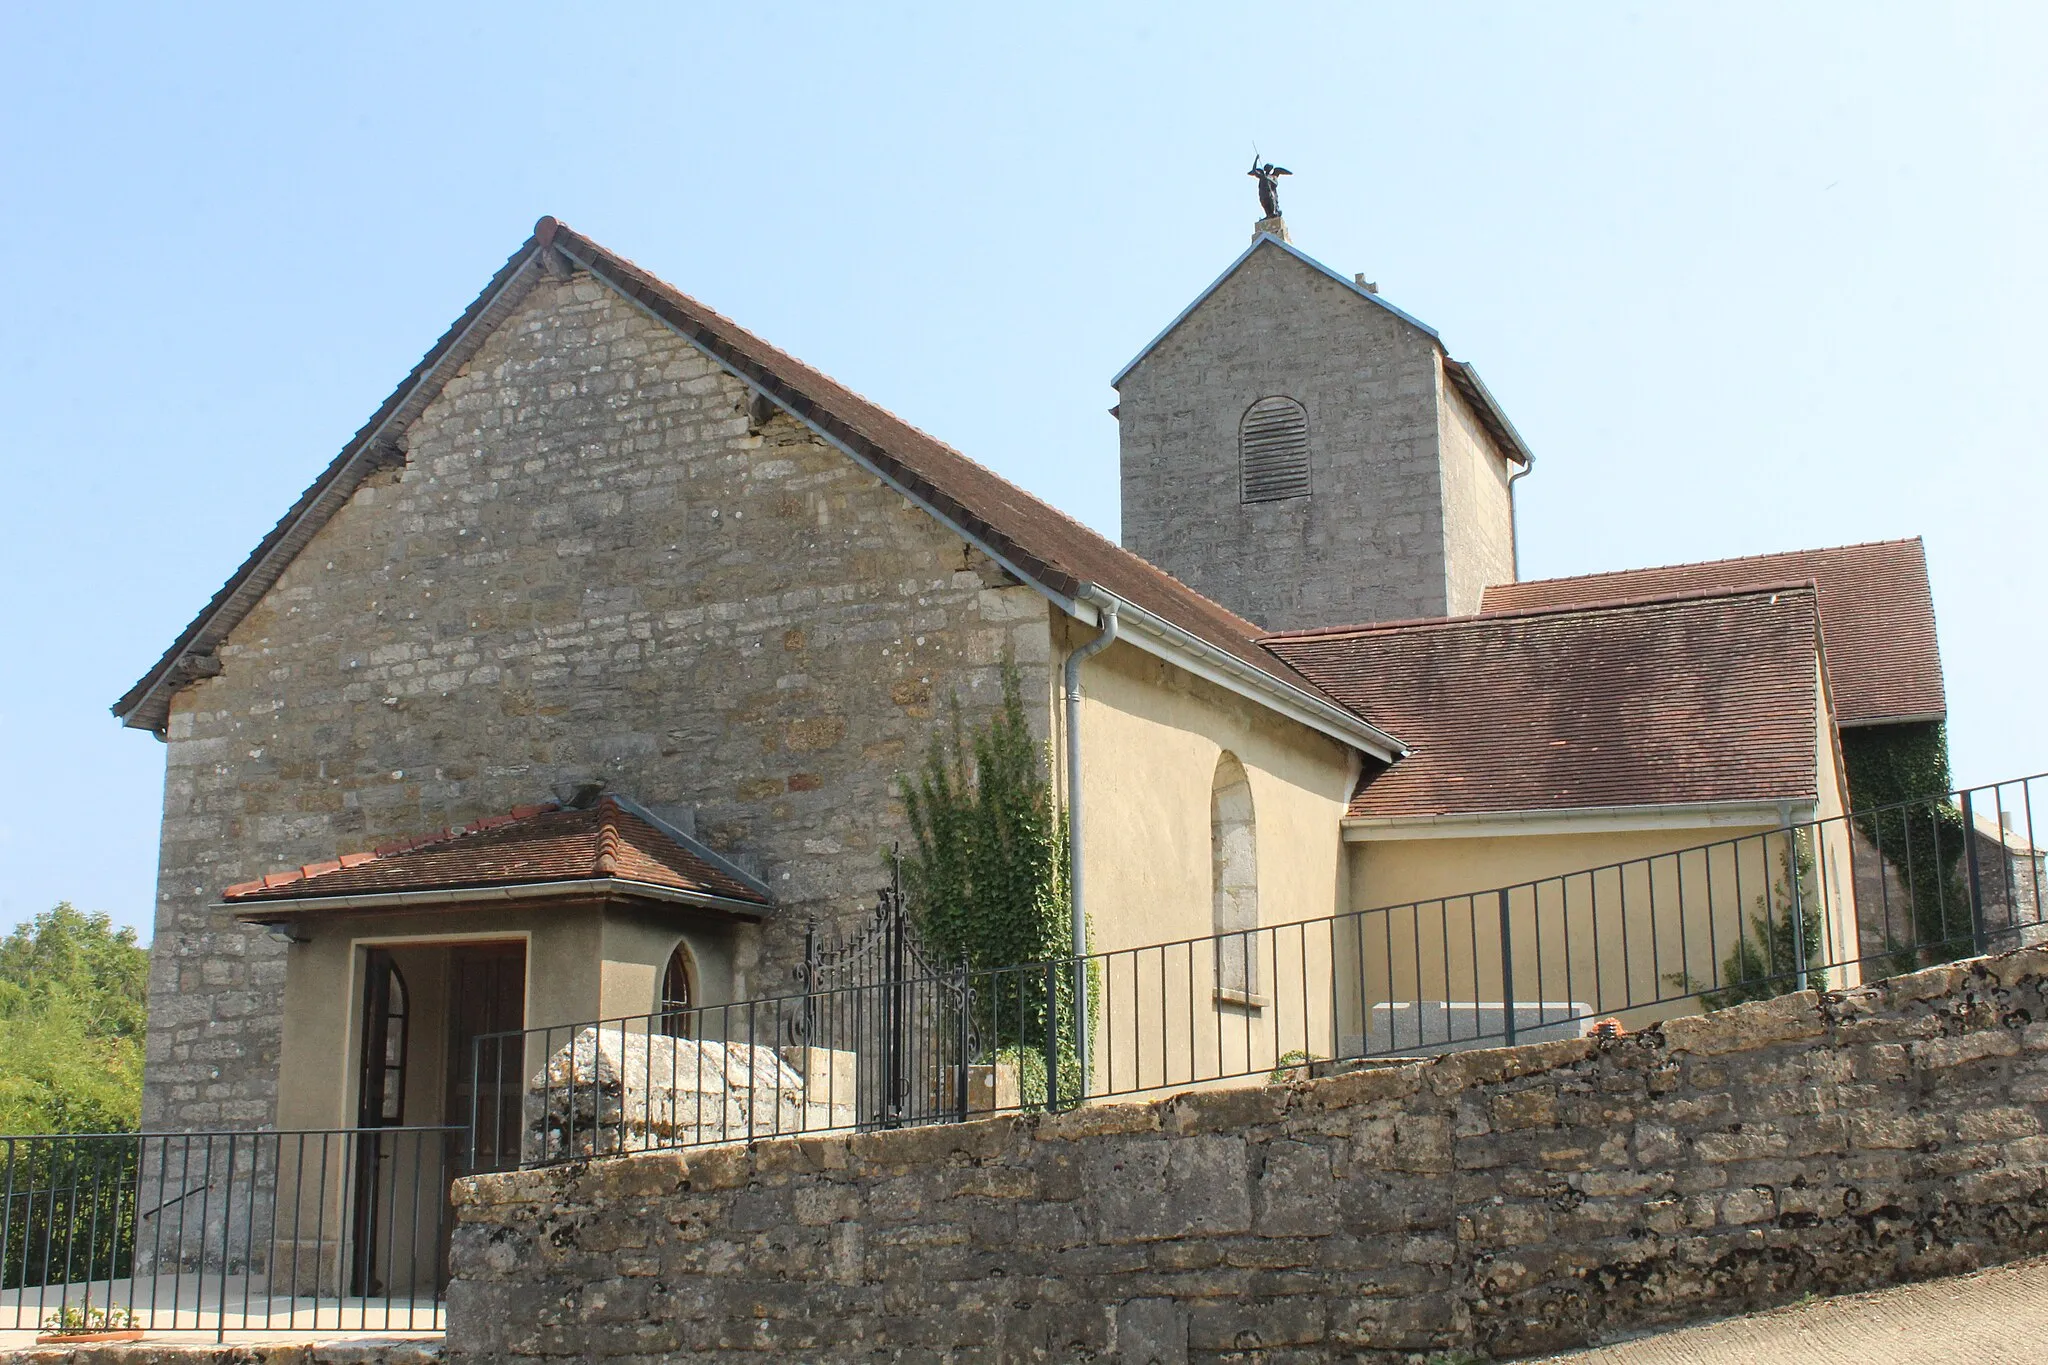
x,y
1993,1317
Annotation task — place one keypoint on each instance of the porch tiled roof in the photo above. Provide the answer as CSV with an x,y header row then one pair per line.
x,y
529,846
1702,698
1876,611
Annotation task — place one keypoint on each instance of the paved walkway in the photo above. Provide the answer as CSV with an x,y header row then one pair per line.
x,y
1993,1317
190,1310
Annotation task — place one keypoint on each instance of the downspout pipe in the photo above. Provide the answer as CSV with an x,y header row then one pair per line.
x,y
1514,526
1078,912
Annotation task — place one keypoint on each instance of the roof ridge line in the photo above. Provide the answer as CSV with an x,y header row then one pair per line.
x,y
1635,603
1713,563
655,281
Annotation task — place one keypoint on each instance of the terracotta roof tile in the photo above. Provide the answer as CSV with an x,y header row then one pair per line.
x,y
533,844
1693,699
1876,611
1040,540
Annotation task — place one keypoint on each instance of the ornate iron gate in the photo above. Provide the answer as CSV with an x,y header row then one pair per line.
x,y
907,1022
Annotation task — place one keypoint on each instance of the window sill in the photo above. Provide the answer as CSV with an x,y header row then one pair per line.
x,y
1244,1000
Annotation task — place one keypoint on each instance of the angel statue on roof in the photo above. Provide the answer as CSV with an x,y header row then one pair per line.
x,y
1268,177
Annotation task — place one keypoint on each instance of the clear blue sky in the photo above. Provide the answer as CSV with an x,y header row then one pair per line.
x,y
1746,277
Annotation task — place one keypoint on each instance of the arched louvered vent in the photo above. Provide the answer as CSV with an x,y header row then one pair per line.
x,y
1272,450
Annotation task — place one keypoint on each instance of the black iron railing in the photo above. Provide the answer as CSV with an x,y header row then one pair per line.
x,y
1818,904
341,1230
346,1230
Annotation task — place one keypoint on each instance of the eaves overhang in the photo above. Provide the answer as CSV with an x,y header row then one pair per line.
x,y
285,910
1574,820
1164,640
1491,415
147,705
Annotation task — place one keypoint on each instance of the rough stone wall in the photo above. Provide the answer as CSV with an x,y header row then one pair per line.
x,y
1367,544
589,566
1512,1201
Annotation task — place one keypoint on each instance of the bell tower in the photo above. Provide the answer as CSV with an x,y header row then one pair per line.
x,y
1306,453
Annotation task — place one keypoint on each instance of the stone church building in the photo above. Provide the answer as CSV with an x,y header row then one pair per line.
x,y
583,677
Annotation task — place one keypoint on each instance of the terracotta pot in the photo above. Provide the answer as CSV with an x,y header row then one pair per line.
x,y
63,1338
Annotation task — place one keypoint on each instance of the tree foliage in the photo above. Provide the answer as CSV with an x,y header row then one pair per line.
x,y
73,1007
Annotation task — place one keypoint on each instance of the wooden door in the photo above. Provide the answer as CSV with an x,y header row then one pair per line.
x,y
380,1103
487,996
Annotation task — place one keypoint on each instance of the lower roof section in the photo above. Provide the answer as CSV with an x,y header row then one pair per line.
x,y
1876,611
1690,701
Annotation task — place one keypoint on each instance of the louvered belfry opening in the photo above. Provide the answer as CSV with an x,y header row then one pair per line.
x,y
1272,449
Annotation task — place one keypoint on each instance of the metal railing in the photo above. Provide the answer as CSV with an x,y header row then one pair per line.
x,y
1819,904
346,1230
221,1232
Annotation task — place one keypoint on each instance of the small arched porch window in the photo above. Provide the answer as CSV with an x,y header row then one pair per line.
x,y
678,993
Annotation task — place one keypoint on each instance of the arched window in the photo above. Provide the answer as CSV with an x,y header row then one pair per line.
x,y
1234,871
380,1101
1272,451
678,993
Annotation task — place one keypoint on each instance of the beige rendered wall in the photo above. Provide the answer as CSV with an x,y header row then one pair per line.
x,y
582,963
1151,738
1479,518
1599,918
1833,864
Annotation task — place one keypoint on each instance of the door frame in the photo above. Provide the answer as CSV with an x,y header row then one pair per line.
x,y
359,945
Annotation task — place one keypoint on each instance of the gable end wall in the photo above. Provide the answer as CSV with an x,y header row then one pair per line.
x,y
1367,544
588,567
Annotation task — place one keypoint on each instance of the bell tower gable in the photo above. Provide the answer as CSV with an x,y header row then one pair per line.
x,y
1289,448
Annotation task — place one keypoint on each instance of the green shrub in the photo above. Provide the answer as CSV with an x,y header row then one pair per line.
x,y
986,882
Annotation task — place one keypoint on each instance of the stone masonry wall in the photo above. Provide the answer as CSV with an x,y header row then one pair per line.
x,y
1510,1202
590,565
1368,543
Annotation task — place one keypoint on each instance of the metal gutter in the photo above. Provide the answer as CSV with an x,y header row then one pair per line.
x,y
279,911
1167,641
689,842
1359,829
1923,719
1491,413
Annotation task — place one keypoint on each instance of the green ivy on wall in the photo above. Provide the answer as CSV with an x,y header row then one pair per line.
x,y
986,882
1899,782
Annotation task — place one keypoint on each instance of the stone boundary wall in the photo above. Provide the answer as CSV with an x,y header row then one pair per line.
x,y
1504,1202
338,1351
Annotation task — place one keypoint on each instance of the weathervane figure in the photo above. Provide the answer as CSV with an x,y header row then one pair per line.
x,y
1268,177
